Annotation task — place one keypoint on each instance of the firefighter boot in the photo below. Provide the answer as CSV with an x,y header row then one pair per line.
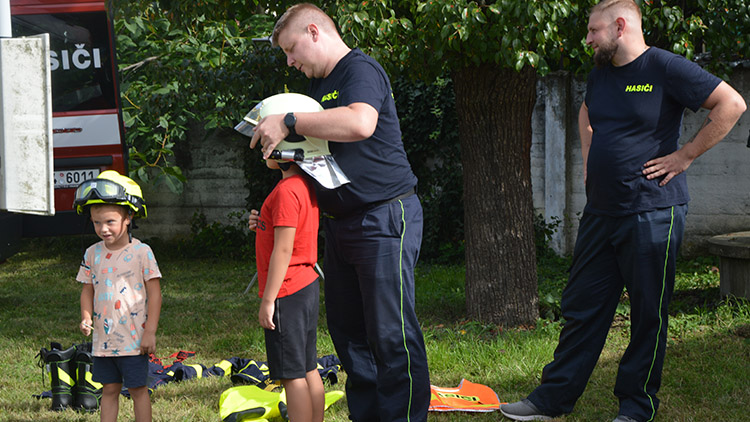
x,y
87,392
61,374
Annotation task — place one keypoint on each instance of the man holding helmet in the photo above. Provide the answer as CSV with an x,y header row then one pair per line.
x,y
374,223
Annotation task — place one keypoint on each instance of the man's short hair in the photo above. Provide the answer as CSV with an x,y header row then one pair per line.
x,y
310,12
609,6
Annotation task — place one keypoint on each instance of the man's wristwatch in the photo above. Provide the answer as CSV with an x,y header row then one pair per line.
x,y
289,121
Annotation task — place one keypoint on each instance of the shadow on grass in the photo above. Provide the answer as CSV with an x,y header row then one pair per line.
x,y
703,373
439,292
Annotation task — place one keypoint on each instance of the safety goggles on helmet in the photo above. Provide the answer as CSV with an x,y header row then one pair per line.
x,y
96,191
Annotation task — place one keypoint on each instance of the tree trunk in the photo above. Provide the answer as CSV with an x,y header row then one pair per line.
x,y
494,105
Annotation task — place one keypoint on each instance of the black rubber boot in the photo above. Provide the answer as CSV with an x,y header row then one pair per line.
x,y
87,392
61,374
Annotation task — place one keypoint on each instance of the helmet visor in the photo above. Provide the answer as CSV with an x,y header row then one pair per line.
x,y
106,190
251,119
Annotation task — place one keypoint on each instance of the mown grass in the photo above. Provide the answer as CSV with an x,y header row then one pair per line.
x,y
706,374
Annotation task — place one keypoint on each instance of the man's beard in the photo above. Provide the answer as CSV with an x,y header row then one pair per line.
x,y
604,54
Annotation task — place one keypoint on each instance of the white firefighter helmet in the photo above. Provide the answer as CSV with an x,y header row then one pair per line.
x,y
311,154
282,104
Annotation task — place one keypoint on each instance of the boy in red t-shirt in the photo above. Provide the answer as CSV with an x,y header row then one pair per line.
x,y
286,251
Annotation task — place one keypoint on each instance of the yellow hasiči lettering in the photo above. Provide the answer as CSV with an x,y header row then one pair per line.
x,y
639,88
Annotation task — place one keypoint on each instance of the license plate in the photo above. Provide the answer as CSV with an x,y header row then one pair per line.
x,y
73,178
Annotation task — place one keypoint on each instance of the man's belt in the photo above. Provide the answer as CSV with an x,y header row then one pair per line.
x,y
373,205
404,195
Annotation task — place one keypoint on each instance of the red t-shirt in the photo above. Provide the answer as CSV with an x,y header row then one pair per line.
x,y
292,203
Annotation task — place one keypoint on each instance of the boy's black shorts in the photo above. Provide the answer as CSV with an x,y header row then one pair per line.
x,y
130,371
291,348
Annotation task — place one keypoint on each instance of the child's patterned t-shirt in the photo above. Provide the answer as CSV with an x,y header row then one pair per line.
x,y
120,298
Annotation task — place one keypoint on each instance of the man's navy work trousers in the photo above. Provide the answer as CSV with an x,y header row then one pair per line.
x,y
636,251
369,293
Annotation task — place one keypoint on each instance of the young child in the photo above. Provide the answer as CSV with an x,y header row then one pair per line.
x,y
121,296
286,250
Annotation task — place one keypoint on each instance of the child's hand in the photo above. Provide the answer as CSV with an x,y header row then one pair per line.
x,y
265,315
148,343
252,221
86,327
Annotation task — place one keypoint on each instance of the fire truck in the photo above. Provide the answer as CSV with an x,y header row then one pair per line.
x,y
87,125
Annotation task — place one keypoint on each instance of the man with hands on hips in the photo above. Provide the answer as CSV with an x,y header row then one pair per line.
x,y
634,218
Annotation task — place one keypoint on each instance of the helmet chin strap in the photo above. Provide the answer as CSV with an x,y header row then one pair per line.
x,y
130,226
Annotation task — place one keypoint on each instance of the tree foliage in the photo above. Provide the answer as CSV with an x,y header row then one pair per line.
x,y
427,37
716,33
183,64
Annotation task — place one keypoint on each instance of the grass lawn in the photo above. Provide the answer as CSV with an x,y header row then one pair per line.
x,y
706,373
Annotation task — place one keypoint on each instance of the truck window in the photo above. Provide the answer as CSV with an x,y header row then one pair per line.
x,y
81,60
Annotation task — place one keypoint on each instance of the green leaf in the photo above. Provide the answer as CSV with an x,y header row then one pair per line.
x,y
520,61
142,174
175,172
446,31
138,155
127,119
130,27
463,33
543,67
539,15
564,8
532,58
173,183
360,17
123,41
479,16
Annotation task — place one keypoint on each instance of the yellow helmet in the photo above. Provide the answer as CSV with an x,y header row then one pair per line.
x,y
110,187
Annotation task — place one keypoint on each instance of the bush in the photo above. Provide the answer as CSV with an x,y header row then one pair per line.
x,y
213,240
552,270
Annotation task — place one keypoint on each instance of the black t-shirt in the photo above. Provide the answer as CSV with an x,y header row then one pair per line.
x,y
377,166
636,113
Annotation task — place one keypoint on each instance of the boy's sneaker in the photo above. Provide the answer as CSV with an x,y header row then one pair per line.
x,y
623,418
523,410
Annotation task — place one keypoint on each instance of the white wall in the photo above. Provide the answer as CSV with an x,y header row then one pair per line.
x,y
215,187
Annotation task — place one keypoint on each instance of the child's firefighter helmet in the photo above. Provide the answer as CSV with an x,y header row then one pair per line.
x,y
288,102
110,187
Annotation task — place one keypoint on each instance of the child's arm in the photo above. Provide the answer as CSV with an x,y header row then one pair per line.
x,y
283,244
87,308
148,342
